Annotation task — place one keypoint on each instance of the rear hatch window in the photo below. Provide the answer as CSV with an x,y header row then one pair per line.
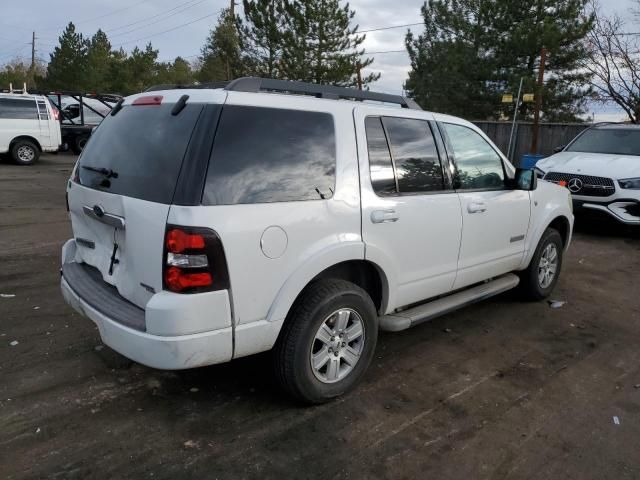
x,y
139,151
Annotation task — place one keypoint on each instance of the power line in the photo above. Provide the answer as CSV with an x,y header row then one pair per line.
x,y
87,20
15,52
156,21
168,30
386,51
389,28
156,16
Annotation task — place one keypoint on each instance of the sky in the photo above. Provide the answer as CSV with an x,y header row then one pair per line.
x,y
180,28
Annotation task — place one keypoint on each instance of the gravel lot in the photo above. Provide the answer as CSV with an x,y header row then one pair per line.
x,y
502,389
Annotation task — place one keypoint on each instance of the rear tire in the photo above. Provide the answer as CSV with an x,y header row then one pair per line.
x,y
79,143
25,152
540,278
327,341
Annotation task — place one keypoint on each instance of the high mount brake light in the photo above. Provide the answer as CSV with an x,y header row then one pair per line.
x,y
193,260
148,100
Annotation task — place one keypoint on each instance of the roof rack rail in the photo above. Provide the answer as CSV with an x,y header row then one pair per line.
x,y
212,85
256,84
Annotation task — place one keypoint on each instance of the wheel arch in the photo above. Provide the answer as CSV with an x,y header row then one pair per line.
x,y
563,226
558,221
25,137
347,263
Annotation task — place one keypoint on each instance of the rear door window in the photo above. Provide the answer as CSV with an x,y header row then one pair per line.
x,y
263,155
414,154
403,157
383,179
18,109
139,151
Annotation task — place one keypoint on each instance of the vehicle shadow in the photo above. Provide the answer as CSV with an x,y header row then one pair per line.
x,y
598,225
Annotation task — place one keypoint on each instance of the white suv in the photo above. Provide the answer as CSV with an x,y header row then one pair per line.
x,y
28,126
211,224
601,168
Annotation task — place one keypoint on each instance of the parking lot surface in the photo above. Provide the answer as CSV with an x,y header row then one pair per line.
x,y
502,389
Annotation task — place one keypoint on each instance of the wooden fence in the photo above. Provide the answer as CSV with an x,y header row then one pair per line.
x,y
550,136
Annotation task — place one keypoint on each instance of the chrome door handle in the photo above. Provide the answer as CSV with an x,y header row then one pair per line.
x,y
476,207
384,216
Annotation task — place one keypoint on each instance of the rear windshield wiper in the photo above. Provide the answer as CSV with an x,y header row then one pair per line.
x,y
107,172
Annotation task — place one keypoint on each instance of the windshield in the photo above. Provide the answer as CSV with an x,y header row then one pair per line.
x,y
139,151
619,141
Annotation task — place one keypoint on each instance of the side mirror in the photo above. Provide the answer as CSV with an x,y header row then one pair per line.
x,y
525,179
559,149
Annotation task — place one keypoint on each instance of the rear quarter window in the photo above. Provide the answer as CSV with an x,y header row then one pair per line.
x,y
263,155
18,109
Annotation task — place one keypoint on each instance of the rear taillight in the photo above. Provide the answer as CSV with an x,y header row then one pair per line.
x,y
56,113
194,260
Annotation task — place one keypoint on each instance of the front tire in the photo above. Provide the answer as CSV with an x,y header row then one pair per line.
x,y
327,341
25,152
540,278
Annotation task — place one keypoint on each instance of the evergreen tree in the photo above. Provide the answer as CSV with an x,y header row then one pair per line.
x,y
118,73
320,46
67,67
142,71
483,47
221,57
262,36
99,59
180,72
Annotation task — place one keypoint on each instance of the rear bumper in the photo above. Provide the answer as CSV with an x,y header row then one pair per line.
x,y
173,332
625,211
162,352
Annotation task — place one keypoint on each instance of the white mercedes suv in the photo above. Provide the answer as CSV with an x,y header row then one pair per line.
x,y
217,222
601,168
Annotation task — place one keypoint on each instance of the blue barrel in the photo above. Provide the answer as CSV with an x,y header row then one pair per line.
x,y
529,160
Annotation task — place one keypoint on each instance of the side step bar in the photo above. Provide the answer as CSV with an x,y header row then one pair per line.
x,y
396,322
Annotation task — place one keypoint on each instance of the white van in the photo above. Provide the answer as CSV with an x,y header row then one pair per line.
x,y
28,126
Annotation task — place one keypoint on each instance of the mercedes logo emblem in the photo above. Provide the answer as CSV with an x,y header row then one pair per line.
x,y
575,185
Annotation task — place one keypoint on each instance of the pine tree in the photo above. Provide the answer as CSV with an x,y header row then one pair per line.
x,y
67,67
141,69
483,47
178,72
181,72
119,75
262,34
99,60
320,46
221,58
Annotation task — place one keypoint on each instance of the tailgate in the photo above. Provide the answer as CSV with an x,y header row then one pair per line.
x,y
122,189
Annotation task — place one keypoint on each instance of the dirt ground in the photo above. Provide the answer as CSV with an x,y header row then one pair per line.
x,y
502,389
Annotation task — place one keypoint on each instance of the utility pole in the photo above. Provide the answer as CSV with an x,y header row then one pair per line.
x,y
536,111
513,123
359,75
33,51
232,14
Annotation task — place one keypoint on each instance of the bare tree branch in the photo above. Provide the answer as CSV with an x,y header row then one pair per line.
x,y
614,61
